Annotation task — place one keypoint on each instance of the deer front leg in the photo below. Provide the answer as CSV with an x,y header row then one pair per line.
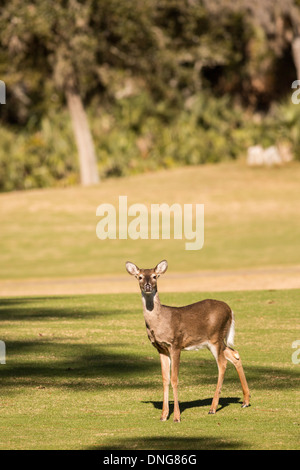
x,y
165,370
175,360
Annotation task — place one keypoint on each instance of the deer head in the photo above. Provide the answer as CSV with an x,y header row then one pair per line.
x,y
147,277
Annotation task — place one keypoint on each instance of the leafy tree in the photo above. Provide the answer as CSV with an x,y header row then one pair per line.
x,y
147,67
47,42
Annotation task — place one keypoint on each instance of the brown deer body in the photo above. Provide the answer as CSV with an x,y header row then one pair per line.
x,y
208,323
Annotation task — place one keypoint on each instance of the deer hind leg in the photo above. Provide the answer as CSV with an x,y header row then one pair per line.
x,y
165,370
234,357
222,363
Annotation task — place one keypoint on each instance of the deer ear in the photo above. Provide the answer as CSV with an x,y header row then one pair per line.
x,y
132,268
161,267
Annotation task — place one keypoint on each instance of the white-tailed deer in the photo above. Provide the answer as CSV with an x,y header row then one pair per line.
x,y
208,323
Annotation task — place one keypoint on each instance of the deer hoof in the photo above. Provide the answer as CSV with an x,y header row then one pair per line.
x,y
211,412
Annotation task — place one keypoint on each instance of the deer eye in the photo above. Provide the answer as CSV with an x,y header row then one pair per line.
x,y
154,277
140,278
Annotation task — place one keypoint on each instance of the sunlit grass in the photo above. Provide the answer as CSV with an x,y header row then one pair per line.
x,y
251,220
80,373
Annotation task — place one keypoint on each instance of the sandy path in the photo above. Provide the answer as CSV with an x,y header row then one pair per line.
x,y
211,281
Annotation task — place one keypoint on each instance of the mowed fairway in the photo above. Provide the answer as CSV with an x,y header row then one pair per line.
x,y
81,374
251,221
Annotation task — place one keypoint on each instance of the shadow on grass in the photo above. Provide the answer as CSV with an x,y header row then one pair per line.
x,y
77,366
31,309
67,363
71,361
164,442
206,402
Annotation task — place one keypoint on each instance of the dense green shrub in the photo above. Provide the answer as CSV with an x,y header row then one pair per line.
x,y
137,136
39,158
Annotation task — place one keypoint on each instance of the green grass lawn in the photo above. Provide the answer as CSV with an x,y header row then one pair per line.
x,y
251,220
80,373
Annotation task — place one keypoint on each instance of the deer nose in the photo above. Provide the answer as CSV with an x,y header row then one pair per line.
x,y
148,287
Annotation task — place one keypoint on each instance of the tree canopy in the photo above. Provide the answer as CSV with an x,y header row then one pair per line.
x,y
126,69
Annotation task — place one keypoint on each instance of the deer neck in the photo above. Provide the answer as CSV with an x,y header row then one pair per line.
x,y
151,303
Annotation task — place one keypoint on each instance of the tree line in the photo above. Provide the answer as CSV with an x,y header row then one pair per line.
x,y
137,66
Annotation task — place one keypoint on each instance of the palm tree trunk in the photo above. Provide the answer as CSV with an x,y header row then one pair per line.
x,y
85,145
